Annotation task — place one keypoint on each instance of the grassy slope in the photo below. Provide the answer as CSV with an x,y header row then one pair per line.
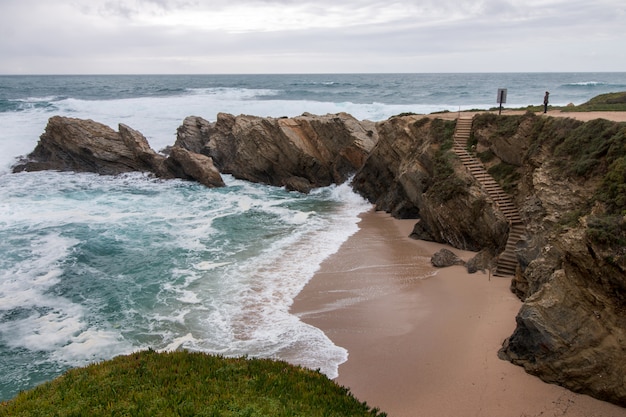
x,y
188,384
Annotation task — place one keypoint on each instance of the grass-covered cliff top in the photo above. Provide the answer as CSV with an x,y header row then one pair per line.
x,y
603,102
188,384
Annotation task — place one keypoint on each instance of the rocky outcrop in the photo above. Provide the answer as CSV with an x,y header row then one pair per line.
x,y
86,146
70,144
300,153
411,173
571,329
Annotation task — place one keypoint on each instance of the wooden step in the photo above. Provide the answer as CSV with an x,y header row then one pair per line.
x,y
507,261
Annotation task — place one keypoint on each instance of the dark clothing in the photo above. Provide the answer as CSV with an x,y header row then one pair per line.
x,y
545,102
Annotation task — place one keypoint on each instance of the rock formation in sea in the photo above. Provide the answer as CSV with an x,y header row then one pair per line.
x,y
70,144
300,153
568,180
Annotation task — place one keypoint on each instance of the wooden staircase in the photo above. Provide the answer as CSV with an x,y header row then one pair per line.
x,y
507,261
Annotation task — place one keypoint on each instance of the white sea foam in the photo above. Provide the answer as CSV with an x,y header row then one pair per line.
x,y
207,266
216,291
48,323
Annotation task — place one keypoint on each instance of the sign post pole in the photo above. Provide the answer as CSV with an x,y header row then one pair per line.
x,y
501,98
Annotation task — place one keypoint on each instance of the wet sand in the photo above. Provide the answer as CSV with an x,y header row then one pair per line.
x,y
423,341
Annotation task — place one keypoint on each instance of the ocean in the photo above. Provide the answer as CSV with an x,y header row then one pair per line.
x,y
97,266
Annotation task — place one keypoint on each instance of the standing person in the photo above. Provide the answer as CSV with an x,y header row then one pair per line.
x,y
545,102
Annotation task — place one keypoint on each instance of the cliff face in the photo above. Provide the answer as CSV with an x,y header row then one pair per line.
x,y
571,329
568,180
411,173
300,153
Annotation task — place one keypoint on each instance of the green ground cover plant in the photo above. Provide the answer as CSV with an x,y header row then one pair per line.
x,y
182,383
603,102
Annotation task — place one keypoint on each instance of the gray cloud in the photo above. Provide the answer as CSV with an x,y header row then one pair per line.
x,y
301,36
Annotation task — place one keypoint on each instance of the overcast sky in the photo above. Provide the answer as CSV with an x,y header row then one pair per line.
x,y
310,36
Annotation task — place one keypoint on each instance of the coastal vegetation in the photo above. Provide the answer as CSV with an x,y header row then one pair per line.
x,y
446,183
593,152
602,102
182,383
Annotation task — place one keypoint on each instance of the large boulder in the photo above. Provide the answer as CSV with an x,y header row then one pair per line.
x,y
301,153
70,144
445,257
193,166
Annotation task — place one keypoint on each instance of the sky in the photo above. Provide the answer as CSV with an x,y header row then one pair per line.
x,y
310,36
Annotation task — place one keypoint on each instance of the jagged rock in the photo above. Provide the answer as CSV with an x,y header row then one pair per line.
x,y
572,335
193,134
298,184
315,150
193,166
510,144
482,261
444,258
70,144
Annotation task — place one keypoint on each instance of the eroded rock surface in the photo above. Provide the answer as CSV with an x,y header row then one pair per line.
x,y
70,144
301,153
409,175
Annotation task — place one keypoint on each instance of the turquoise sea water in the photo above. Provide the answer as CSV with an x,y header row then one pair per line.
x,y
96,266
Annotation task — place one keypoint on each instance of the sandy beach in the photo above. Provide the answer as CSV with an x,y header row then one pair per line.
x,y
423,341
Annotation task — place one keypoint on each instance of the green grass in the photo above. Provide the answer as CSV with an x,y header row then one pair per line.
x,y
603,102
608,231
154,384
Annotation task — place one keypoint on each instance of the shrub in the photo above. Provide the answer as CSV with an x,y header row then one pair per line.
x,y
446,184
506,175
442,131
612,191
607,230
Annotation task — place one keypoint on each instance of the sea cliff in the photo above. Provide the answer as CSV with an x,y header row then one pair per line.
x,y
566,178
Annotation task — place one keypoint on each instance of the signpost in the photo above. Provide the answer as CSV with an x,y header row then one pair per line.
x,y
501,98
